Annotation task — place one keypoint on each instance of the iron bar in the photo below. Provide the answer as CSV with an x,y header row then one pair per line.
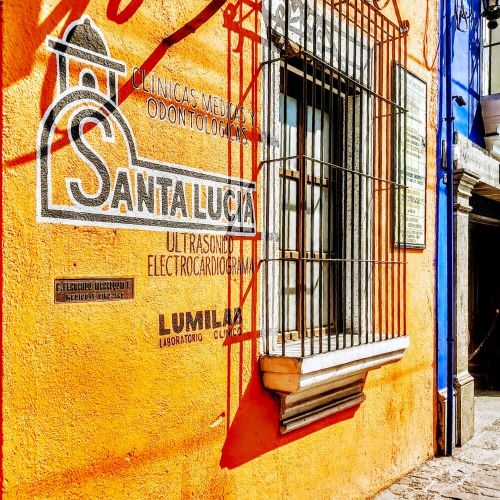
x,y
342,172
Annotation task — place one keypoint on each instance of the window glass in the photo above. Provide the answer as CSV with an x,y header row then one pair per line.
x,y
319,287
494,35
319,218
289,138
495,69
290,281
319,148
291,204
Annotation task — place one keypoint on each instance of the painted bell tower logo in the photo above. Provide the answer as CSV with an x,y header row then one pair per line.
x,y
99,179
85,43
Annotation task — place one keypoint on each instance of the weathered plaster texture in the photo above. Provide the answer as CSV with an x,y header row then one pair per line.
x,y
92,406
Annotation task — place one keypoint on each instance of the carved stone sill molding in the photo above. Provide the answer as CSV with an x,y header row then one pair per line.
x,y
314,387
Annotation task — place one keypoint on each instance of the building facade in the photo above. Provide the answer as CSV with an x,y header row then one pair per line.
x,y
473,273
219,247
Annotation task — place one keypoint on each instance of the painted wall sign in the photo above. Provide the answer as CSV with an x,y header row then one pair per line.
x,y
184,106
93,289
191,254
143,194
188,327
416,160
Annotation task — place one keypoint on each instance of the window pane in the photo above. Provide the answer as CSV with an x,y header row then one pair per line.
x,y
321,135
288,233
494,35
486,72
288,146
290,285
486,33
495,69
319,218
320,289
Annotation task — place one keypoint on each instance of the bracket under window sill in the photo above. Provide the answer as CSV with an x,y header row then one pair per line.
x,y
315,387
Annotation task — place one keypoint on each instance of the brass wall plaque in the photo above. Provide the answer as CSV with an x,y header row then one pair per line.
x,y
93,289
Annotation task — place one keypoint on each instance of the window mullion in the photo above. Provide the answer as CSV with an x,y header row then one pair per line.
x,y
302,127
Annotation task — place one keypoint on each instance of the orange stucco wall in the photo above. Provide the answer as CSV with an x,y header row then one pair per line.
x,y
93,406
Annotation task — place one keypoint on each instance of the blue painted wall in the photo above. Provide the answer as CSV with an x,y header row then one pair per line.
x,y
465,75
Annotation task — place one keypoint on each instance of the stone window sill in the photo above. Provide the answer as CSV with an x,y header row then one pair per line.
x,y
314,387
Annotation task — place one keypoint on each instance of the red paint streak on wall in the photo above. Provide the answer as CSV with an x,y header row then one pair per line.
x,y
127,88
125,14
34,34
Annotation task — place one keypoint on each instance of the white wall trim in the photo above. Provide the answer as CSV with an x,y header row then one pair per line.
x,y
313,387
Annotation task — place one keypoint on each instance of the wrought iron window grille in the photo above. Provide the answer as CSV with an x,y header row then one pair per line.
x,y
334,176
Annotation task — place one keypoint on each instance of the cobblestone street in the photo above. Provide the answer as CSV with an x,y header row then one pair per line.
x,y
472,472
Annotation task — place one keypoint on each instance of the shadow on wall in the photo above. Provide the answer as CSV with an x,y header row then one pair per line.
x,y
29,34
382,4
34,35
254,429
25,37
476,124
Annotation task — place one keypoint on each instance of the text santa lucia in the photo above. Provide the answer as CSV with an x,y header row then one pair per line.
x,y
145,194
148,194
159,195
